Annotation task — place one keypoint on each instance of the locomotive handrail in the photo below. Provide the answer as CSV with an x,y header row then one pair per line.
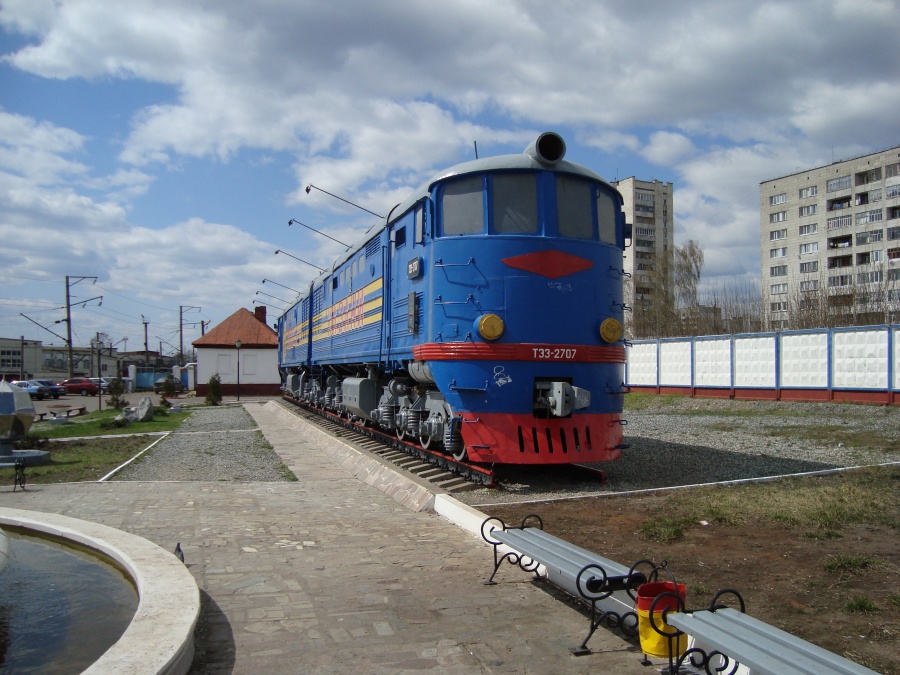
x,y
439,300
454,387
440,263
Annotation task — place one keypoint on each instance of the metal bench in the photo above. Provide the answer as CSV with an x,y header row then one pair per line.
x,y
726,640
606,586
19,475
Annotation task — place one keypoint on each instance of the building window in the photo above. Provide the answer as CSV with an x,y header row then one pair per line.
x,y
836,184
840,221
778,252
778,217
870,176
869,237
840,261
811,285
778,199
778,271
892,170
809,229
845,241
778,289
875,277
869,257
864,198
869,216
810,191
645,243
779,306
841,280
811,247
809,267
640,196
645,231
775,235
808,210
892,191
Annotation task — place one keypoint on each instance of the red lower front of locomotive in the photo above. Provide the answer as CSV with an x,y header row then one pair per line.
x,y
507,438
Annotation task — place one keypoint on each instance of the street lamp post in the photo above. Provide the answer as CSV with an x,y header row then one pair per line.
x,y
237,344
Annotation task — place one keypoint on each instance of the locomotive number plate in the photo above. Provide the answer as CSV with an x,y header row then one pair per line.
x,y
554,353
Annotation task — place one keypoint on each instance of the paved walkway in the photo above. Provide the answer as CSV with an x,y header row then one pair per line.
x,y
330,575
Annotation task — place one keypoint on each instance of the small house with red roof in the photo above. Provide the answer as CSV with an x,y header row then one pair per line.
x,y
243,350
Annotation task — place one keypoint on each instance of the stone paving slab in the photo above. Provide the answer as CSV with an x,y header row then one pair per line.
x,y
330,575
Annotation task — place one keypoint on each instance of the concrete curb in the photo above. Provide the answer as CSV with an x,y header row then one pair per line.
x,y
160,637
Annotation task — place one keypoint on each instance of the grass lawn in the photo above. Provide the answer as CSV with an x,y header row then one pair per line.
x,y
97,423
89,459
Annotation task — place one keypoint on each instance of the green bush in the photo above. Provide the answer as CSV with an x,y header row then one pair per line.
x,y
115,389
31,441
214,392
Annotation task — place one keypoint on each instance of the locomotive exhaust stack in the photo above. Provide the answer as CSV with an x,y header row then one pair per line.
x,y
548,148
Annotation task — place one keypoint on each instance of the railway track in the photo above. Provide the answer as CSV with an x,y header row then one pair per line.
x,y
435,467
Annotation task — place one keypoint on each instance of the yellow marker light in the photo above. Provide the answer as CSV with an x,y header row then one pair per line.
x,y
490,326
611,331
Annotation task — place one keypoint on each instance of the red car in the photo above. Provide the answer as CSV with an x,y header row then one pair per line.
x,y
80,385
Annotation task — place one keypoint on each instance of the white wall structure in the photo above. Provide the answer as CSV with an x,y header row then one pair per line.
x,y
848,364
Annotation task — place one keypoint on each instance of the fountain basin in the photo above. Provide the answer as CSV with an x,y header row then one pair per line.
x,y
160,637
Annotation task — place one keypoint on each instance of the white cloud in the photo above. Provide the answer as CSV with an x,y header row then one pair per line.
x,y
666,148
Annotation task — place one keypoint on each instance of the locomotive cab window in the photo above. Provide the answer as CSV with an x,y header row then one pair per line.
x,y
400,237
514,204
462,207
574,207
606,217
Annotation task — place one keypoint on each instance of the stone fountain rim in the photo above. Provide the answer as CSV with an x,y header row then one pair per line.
x,y
160,637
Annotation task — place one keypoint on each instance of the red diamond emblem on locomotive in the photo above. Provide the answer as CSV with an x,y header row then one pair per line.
x,y
552,264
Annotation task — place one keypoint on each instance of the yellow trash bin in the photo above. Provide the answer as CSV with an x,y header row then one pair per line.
x,y
653,642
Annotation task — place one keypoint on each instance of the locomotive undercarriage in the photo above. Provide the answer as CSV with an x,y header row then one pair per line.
x,y
411,410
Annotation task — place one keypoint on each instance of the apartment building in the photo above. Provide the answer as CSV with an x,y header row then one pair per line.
x,y
648,207
833,232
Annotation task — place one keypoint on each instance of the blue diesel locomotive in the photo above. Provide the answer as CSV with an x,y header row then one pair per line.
x,y
481,317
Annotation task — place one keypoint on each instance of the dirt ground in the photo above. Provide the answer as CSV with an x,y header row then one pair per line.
x,y
779,569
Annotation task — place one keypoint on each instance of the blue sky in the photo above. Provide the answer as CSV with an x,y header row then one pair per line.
x,y
163,146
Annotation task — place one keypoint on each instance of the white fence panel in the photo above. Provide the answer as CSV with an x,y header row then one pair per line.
x,y
804,360
675,363
754,361
896,378
712,363
860,359
641,361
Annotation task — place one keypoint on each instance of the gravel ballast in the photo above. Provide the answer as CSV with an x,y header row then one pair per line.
x,y
213,444
672,442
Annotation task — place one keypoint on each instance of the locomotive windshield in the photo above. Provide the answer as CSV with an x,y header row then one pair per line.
x,y
517,203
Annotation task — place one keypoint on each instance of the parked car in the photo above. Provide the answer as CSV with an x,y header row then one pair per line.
x,y
160,384
35,389
80,385
100,382
56,390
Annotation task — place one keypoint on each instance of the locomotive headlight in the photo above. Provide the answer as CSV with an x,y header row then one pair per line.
x,y
610,331
490,326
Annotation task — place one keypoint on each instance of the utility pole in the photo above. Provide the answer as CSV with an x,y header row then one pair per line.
x,y
69,329
99,379
68,318
181,310
22,358
146,344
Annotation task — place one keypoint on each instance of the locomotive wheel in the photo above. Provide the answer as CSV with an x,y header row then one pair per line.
x,y
425,440
401,433
460,455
